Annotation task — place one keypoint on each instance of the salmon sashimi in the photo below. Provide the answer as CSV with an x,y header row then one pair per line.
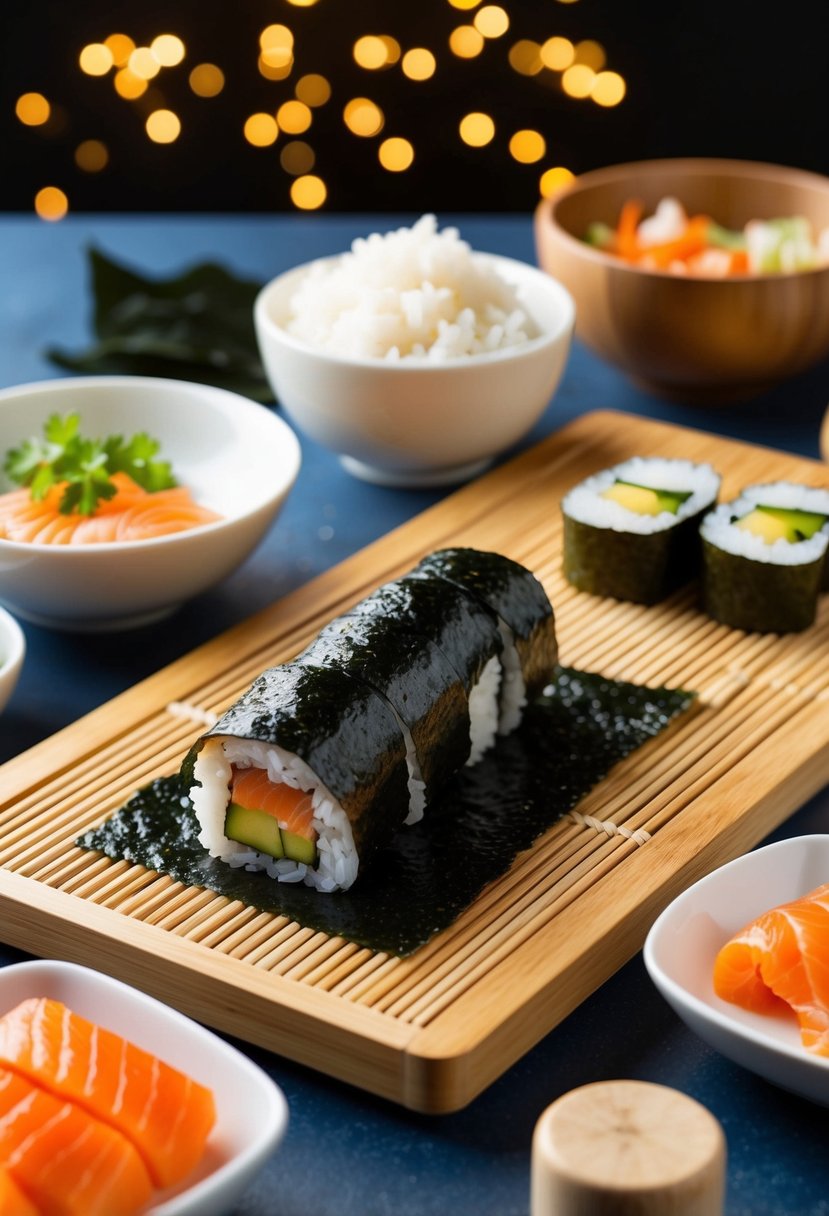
x,y
291,808
65,1160
781,960
165,1114
133,513
13,1202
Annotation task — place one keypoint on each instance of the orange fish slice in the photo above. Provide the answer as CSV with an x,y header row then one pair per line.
x,y
165,1114
66,1161
780,960
12,1200
291,808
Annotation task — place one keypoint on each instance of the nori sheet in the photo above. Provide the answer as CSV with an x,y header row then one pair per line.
x,y
423,880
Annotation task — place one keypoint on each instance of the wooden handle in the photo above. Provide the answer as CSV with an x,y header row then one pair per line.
x,y
627,1148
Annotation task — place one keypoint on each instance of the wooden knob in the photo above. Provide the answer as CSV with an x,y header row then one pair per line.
x,y
627,1148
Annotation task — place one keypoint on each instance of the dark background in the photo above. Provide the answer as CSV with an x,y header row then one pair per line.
x,y
704,78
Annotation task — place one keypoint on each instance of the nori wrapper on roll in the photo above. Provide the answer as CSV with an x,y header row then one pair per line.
x,y
416,678
641,567
341,729
514,594
464,630
760,597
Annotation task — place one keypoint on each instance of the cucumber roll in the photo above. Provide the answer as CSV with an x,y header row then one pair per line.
x,y
303,777
632,531
525,619
323,758
764,558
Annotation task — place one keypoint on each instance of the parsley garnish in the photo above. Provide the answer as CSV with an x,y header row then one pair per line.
x,y
85,466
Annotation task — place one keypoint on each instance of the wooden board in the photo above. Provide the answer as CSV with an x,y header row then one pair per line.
x,y
433,1030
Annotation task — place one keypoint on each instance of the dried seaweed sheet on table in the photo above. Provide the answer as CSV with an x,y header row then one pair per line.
x,y
569,740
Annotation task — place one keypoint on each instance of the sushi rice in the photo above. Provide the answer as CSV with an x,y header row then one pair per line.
x,y
586,504
718,527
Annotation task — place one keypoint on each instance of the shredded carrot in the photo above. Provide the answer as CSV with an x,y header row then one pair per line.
x,y
739,262
693,240
627,243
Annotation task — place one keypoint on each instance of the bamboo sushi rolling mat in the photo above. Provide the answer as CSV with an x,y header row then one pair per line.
x,y
432,1030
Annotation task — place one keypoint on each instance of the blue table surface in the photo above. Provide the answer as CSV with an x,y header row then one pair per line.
x,y
347,1152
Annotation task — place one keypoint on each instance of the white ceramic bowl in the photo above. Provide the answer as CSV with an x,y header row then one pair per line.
x,y
418,422
682,944
251,1111
236,457
12,652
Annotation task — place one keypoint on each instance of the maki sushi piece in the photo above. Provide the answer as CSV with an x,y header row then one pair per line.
x,y
632,531
324,758
764,557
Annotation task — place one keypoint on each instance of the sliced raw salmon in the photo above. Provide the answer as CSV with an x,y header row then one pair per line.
x,y
65,1160
291,808
165,1114
131,514
13,1202
782,959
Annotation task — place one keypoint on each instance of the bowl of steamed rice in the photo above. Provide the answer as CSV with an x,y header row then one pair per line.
x,y
415,359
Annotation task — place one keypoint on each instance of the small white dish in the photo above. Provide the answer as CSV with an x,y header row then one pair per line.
x,y
683,942
252,1113
12,653
236,457
416,422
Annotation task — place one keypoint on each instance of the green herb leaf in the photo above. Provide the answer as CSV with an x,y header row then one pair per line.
x,y
84,465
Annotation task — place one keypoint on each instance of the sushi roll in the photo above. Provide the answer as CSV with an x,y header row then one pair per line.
x,y
324,758
764,558
632,531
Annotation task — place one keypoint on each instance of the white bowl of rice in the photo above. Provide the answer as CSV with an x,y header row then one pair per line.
x,y
415,359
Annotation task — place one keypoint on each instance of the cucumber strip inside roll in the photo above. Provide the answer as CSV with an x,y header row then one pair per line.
x,y
525,619
631,532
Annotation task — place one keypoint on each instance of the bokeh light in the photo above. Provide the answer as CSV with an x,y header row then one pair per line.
x,y
168,49
608,89
419,64
557,54
395,154
297,157
294,117
313,89
207,80
466,42
370,52
163,126
308,192
492,21
477,129
261,130
363,117
393,49
143,63
464,4
525,57
276,37
51,203
96,59
553,180
128,85
33,109
578,80
120,46
92,156
591,53
273,71
527,146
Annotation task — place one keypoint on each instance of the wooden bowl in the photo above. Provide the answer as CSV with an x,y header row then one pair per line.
x,y
698,340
